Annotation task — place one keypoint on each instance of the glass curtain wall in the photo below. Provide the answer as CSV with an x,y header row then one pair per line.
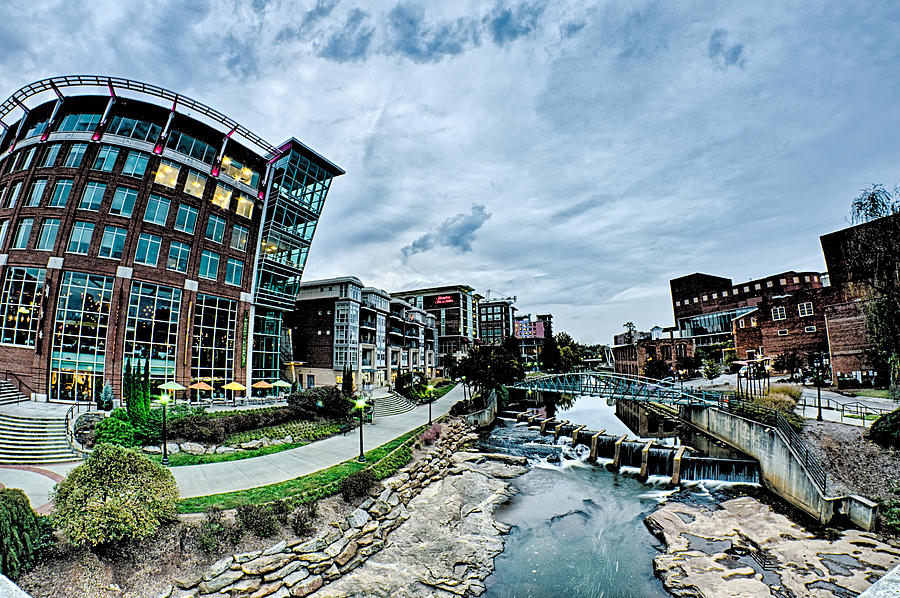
x,y
266,337
151,329
20,306
212,354
79,337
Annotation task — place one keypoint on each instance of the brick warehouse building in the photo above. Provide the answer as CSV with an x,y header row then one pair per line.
x,y
137,224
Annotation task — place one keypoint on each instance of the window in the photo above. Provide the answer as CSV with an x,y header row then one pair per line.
x,y
4,226
805,309
47,236
23,232
678,303
757,287
753,322
215,323
782,281
186,219
783,332
715,295
706,297
239,172
244,206
746,289
50,156
796,279
806,279
234,272
75,155
80,239
113,242
123,202
195,183
743,323
20,306
167,174
178,256
92,196
106,158
239,236
147,251
60,193
724,293
135,164
778,313
209,265
222,196
809,329
37,192
215,229
12,196
157,210
189,146
26,159
151,329
79,122
136,129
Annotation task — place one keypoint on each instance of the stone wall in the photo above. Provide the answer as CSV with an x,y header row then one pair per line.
x,y
300,567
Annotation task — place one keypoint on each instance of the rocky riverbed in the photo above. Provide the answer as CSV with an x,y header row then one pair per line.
x,y
447,546
743,548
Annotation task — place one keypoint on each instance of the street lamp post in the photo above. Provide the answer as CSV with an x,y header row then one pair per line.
x,y
360,405
430,391
819,386
164,400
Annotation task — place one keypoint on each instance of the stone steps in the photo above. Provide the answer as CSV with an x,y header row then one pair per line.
x,y
392,404
33,440
10,394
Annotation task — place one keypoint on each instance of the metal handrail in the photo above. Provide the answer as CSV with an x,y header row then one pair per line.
x,y
20,384
70,432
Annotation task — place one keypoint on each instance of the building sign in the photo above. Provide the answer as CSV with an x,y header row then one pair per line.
x,y
443,300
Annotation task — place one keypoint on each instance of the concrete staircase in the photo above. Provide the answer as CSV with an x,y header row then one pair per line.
x,y
9,393
33,440
391,404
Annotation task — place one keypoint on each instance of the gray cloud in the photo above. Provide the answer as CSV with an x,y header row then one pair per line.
x,y
412,38
351,42
722,53
507,24
456,232
571,28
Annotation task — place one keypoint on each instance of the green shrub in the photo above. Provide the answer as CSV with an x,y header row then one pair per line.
x,y
357,484
303,517
886,429
121,414
259,520
789,390
23,535
115,431
215,531
301,431
116,494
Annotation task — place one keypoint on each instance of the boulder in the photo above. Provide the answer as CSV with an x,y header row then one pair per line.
x,y
225,450
188,580
266,564
218,567
217,583
246,586
253,444
172,448
152,450
307,587
267,589
193,448
357,518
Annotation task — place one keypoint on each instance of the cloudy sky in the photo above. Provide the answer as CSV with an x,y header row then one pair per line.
x,y
577,155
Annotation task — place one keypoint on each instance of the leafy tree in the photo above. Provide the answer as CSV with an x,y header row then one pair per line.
x,y
688,363
789,362
411,385
712,369
551,356
490,367
347,382
116,494
22,533
105,400
873,255
630,328
657,369
115,431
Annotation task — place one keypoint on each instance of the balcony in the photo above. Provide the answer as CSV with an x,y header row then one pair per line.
x,y
367,324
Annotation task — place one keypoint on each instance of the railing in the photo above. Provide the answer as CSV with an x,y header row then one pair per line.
x,y
19,384
624,386
855,410
71,414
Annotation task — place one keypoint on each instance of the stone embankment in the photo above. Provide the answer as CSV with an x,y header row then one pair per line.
x,y
301,567
744,548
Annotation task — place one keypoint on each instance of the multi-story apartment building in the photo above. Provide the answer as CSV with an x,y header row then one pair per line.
x,y
495,320
455,310
340,324
531,332
137,224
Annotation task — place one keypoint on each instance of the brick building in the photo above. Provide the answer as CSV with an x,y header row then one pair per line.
x,y
659,343
495,320
130,230
455,310
338,323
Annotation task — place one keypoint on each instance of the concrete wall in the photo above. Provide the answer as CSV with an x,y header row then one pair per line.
x,y
781,471
486,416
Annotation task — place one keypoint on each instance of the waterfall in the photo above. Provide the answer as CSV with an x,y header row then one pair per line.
x,y
721,470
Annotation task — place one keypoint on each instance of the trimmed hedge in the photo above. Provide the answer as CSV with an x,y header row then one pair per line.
x,y
23,534
886,430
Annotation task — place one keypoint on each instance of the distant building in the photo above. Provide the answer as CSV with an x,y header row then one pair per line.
x,y
532,331
338,323
495,320
455,310
632,354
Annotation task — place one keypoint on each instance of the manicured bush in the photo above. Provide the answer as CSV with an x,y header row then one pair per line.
x,y
23,534
356,485
115,431
260,520
886,429
105,399
303,518
322,401
116,494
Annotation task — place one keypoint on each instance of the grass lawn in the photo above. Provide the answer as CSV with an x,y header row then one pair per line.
x,y
878,393
179,459
441,391
263,494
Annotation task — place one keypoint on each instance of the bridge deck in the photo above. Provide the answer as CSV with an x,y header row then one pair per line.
x,y
620,386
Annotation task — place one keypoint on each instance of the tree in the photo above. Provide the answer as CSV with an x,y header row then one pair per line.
x,y
873,256
689,364
347,382
788,362
712,369
656,369
22,533
489,368
411,385
550,355
115,494
630,329
105,400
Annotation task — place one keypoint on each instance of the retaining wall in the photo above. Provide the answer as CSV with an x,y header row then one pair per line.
x,y
485,417
781,470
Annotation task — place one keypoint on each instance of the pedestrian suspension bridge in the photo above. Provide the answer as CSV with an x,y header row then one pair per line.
x,y
621,386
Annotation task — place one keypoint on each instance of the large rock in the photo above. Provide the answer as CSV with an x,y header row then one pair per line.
x,y
358,518
193,448
267,564
152,450
225,450
217,583
252,444
307,587
218,567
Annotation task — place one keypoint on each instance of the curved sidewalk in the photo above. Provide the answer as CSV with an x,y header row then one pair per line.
x,y
230,476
